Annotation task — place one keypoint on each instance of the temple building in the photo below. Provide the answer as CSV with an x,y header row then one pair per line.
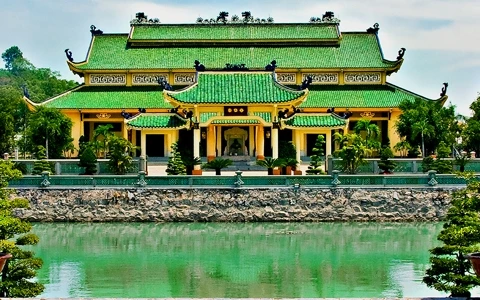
x,y
238,86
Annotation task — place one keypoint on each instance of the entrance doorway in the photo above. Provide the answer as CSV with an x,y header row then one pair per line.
x,y
311,139
155,144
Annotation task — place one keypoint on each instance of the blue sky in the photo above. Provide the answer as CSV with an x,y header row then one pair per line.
x,y
441,36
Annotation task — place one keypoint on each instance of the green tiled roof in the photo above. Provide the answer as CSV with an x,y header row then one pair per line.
x,y
205,116
235,121
235,88
305,120
356,50
267,116
157,121
234,31
103,97
349,96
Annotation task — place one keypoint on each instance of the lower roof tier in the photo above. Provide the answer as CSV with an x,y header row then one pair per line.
x,y
358,96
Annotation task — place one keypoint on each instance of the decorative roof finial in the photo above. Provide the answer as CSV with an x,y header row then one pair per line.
x,y
68,53
306,82
374,29
222,17
95,31
327,17
164,84
198,66
444,89
141,18
271,66
25,91
247,17
401,52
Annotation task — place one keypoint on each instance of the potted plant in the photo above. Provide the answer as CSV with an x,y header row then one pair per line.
x,y
3,259
270,164
462,160
190,163
218,164
88,160
291,165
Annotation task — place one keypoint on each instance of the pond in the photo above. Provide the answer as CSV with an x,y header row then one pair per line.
x,y
235,260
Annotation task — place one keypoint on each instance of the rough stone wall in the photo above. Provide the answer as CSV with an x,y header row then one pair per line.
x,y
235,205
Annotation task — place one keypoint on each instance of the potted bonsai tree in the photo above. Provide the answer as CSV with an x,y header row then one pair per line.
x,y
385,164
218,164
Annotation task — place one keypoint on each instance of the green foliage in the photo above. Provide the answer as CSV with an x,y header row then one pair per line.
x,y
9,102
101,136
353,151
403,147
88,160
218,164
120,149
424,124
385,164
450,269
175,164
372,132
287,150
41,165
471,131
21,166
17,276
49,123
291,162
439,163
315,167
462,161
270,163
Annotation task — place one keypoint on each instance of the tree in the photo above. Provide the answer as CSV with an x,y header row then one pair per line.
x,y
450,269
385,164
315,167
9,102
16,280
353,151
105,132
371,133
426,123
88,160
14,59
471,133
403,147
175,164
120,150
41,165
48,127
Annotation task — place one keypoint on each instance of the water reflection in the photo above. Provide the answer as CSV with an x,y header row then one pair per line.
x,y
327,260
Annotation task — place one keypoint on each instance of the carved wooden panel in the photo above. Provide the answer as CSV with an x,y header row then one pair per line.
x,y
235,111
108,79
184,78
287,78
148,79
322,78
363,77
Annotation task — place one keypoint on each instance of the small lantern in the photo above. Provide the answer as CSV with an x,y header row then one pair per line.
x,y
267,134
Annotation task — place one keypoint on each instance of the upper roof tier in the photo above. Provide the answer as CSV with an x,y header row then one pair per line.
x,y
235,88
243,35
356,50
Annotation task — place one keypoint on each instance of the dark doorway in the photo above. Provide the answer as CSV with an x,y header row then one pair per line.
x,y
155,144
267,149
285,135
311,139
138,142
86,131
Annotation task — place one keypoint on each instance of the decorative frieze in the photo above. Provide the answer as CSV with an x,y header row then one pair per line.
x,y
108,79
148,79
322,78
363,77
367,114
287,78
184,78
103,116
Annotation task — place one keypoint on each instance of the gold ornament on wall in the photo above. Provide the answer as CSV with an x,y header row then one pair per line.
x,y
367,114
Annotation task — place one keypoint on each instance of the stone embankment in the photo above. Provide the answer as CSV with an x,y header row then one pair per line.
x,y
235,205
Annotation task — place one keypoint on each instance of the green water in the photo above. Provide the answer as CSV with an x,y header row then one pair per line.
x,y
143,260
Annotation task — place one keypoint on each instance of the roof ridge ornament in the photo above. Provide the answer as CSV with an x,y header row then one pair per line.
x,y
235,67
306,82
68,53
444,89
235,19
271,66
374,29
401,52
198,66
327,17
141,18
95,31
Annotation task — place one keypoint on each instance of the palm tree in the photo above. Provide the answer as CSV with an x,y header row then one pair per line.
x,y
103,130
372,132
422,127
